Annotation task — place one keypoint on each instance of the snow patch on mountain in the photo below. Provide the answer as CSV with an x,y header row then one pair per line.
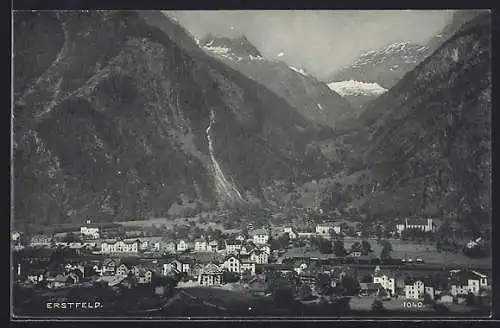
x,y
299,70
356,88
281,54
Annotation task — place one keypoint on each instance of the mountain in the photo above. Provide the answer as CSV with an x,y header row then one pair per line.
x,y
376,71
459,18
120,115
310,97
385,66
426,142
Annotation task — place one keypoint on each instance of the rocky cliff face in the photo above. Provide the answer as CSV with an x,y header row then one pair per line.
x,y
426,142
120,115
309,97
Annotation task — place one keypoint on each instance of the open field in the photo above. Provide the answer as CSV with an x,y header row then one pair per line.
x,y
402,249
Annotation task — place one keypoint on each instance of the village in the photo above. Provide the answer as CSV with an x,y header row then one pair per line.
x,y
325,265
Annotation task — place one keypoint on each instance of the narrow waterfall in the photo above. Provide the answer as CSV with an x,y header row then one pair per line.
x,y
226,191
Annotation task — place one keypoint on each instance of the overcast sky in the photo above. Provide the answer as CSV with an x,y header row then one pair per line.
x,y
319,41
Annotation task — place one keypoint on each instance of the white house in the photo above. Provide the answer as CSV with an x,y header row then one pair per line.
x,y
210,275
325,230
213,246
260,237
259,256
415,289
421,224
388,282
200,245
232,264
233,246
247,265
465,282
182,246
120,246
291,233
92,232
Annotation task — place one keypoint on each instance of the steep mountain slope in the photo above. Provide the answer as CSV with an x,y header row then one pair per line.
x,y
310,97
427,149
123,117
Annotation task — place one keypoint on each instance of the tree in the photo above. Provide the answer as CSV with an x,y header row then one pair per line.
x,y
323,282
379,232
304,292
428,299
325,247
366,247
385,254
470,299
357,247
350,285
378,306
338,248
230,276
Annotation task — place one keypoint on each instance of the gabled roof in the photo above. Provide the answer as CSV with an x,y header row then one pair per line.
x,y
259,232
211,268
369,286
462,277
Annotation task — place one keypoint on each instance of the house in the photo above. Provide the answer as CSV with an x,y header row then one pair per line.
x,y
200,245
233,246
265,248
240,238
232,264
108,267
474,243
210,275
445,298
169,269
259,257
386,280
260,237
171,247
60,281
182,245
416,288
144,245
247,265
182,265
467,281
122,270
213,246
291,233
36,276
325,230
120,246
247,248
143,274
41,239
90,232
420,224
368,288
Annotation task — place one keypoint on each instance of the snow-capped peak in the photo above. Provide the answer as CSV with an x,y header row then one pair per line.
x,y
357,88
299,70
